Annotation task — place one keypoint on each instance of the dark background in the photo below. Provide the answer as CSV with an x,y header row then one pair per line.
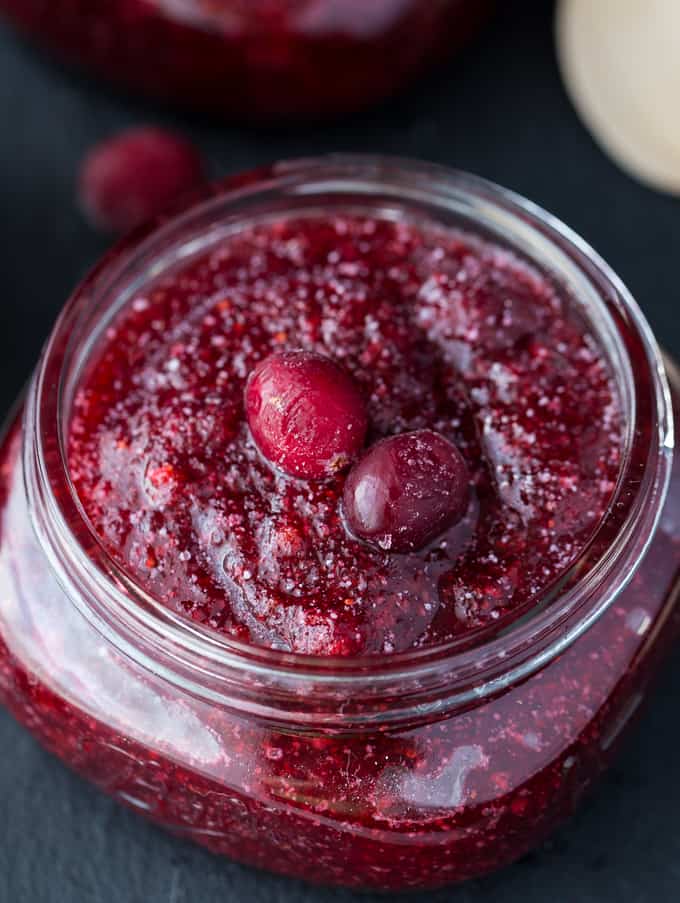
x,y
499,110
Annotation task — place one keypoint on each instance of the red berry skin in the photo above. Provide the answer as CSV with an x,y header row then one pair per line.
x,y
306,414
134,175
406,491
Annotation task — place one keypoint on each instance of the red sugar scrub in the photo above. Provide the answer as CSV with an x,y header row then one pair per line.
x,y
435,330
209,637
261,60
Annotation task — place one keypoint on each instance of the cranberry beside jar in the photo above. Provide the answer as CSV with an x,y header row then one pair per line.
x,y
261,60
404,769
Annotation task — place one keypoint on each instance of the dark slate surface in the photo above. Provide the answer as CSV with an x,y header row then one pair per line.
x,y
500,111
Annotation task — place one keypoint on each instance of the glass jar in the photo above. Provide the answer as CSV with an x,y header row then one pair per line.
x,y
403,771
258,59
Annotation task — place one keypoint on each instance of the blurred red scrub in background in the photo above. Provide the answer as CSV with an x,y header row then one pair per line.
x,y
259,60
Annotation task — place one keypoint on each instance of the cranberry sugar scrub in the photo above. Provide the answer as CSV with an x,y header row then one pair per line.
x,y
243,517
338,532
262,60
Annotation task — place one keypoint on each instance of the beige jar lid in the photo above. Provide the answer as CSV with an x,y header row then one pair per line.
x,y
620,60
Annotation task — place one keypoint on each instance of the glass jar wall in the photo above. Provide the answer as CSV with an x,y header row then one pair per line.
x,y
406,771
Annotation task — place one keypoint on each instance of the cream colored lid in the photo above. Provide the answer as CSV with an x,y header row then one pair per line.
x,y
620,60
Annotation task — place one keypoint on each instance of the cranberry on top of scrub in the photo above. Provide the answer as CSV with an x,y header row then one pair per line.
x,y
441,437
306,413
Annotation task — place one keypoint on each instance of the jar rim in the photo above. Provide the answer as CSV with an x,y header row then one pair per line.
x,y
418,680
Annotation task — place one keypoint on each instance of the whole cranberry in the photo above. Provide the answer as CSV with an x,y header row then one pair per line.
x,y
305,413
134,175
406,491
